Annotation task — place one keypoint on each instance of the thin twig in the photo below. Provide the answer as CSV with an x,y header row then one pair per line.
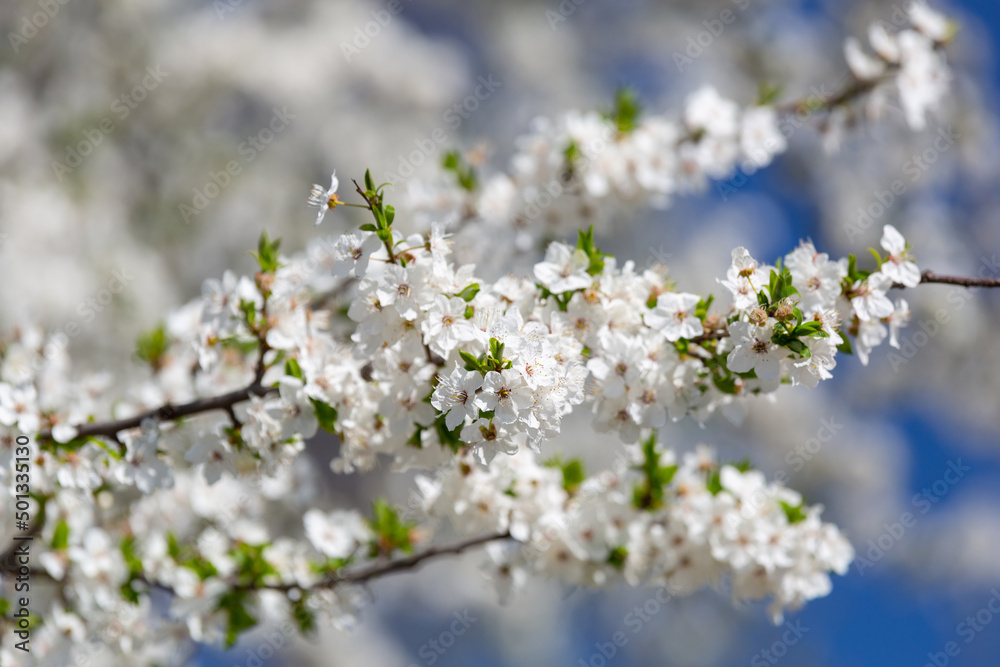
x,y
931,277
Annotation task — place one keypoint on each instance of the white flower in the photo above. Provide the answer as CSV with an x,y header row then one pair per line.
x,y
488,439
337,534
744,279
885,45
870,301
325,198
755,351
298,415
923,78
706,110
455,396
445,325
215,455
815,277
899,266
506,393
870,335
760,137
899,318
19,405
674,316
931,23
564,269
143,467
862,65
352,252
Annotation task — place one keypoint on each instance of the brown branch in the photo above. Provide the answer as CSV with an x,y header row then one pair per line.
x,y
168,412
710,335
931,277
813,103
377,570
403,564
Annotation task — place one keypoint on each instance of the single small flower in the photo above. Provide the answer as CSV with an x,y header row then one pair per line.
x,y
869,300
325,198
674,316
900,265
755,351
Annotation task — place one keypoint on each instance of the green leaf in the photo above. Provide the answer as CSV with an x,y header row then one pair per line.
x,y
496,349
450,439
471,363
267,252
390,215
648,494
390,532
292,368
572,152
573,475
304,617
701,310
326,415
369,181
60,539
626,111
239,619
369,227
767,93
714,482
152,346
585,242
463,171
127,547
173,548
727,385
845,345
4,606
794,514
469,293
878,257
617,557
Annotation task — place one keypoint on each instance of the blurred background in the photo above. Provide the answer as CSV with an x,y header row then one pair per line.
x,y
118,116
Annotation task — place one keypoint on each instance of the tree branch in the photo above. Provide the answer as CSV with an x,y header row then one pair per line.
x,y
931,277
375,571
169,412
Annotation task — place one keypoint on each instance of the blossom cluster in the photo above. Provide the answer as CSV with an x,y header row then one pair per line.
x,y
590,168
652,520
407,348
445,369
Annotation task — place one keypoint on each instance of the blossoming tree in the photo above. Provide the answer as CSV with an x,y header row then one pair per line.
x,y
412,341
